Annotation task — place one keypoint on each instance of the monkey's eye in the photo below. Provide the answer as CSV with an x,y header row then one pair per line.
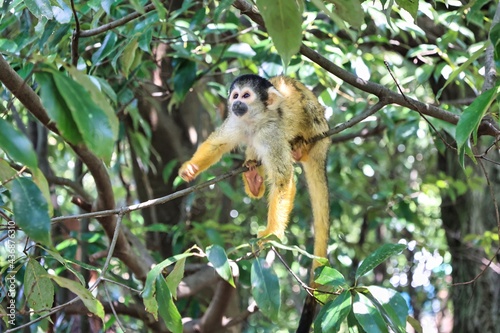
x,y
235,96
246,95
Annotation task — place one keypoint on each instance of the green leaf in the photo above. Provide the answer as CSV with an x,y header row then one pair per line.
x,y
283,20
368,315
350,11
31,210
128,56
333,314
17,145
265,288
107,47
98,90
471,118
167,308
328,276
149,291
476,54
40,8
218,258
160,9
392,307
7,45
175,277
90,302
38,287
6,172
415,324
378,257
57,109
69,266
40,181
184,78
411,6
92,121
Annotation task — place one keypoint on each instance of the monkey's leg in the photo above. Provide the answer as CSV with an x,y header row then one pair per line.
x,y
208,153
281,198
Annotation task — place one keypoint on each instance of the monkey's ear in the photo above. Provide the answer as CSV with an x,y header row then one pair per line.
x,y
274,98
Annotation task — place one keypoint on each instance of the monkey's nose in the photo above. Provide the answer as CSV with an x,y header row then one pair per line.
x,y
239,108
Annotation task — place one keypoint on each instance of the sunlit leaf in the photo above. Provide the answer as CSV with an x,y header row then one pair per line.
x,y
218,258
168,310
175,277
391,305
350,11
149,291
378,257
283,20
472,115
411,6
90,302
93,123
40,8
333,314
368,315
328,276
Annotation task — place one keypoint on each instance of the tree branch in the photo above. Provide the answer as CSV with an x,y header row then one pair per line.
x,y
117,23
486,127
105,197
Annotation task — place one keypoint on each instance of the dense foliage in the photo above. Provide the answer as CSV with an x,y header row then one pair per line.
x,y
101,101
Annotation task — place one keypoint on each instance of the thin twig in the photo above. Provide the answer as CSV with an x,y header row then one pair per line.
x,y
480,273
110,252
117,23
113,309
304,285
75,37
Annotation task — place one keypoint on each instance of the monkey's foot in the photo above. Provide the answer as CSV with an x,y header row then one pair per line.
x,y
188,171
267,232
254,183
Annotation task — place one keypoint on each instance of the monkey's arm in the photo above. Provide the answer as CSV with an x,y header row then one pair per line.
x,y
208,153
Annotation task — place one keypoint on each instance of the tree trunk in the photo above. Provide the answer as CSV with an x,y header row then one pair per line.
x,y
476,305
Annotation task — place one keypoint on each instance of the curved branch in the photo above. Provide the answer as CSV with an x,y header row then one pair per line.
x,y
105,198
486,127
117,23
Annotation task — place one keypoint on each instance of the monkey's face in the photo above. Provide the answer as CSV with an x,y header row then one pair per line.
x,y
240,99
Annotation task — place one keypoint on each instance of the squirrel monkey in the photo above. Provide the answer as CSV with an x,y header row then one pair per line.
x,y
275,119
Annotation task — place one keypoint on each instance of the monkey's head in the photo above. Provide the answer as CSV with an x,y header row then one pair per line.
x,y
252,94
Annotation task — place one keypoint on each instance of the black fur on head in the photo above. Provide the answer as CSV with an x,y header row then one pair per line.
x,y
258,84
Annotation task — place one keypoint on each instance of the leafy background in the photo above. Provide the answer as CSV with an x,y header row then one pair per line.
x,y
101,101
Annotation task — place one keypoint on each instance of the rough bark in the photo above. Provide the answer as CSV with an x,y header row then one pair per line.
x,y
476,305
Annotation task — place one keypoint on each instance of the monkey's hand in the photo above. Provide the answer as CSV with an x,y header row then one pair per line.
x,y
254,179
188,171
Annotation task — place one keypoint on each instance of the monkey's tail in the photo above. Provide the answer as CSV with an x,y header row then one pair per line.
x,y
315,170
